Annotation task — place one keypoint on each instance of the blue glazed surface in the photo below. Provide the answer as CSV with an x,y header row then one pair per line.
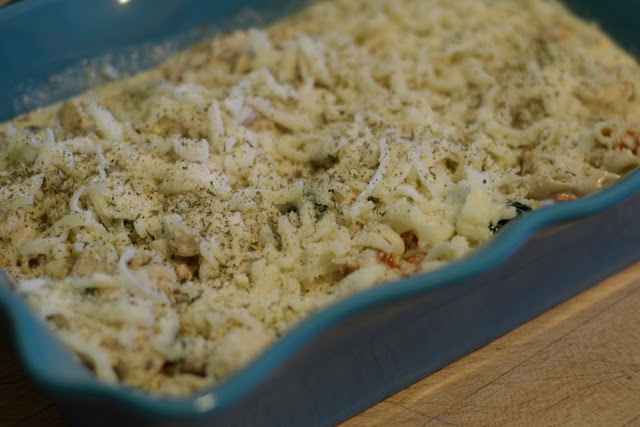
x,y
43,37
40,40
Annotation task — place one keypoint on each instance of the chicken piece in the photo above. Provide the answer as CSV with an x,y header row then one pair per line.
x,y
141,258
95,257
196,357
18,227
73,117
187,267
139,363
235,349
164,276
630,138
158,271
616,97
178,384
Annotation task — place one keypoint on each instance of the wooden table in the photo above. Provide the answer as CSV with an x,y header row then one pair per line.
x,y
577,364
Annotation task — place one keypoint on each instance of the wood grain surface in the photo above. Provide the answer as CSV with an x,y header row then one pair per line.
x,y
578,364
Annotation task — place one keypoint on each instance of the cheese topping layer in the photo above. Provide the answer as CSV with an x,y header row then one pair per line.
x,y
172,225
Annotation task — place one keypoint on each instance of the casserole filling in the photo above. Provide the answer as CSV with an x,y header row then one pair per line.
x,y
171,225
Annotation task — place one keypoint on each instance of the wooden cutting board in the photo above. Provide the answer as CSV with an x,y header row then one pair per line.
x,y
578,364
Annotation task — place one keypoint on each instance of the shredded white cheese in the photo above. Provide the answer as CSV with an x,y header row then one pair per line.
x,y
173,225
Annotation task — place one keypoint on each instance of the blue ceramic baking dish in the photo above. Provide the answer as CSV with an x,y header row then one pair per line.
x,y
361,349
